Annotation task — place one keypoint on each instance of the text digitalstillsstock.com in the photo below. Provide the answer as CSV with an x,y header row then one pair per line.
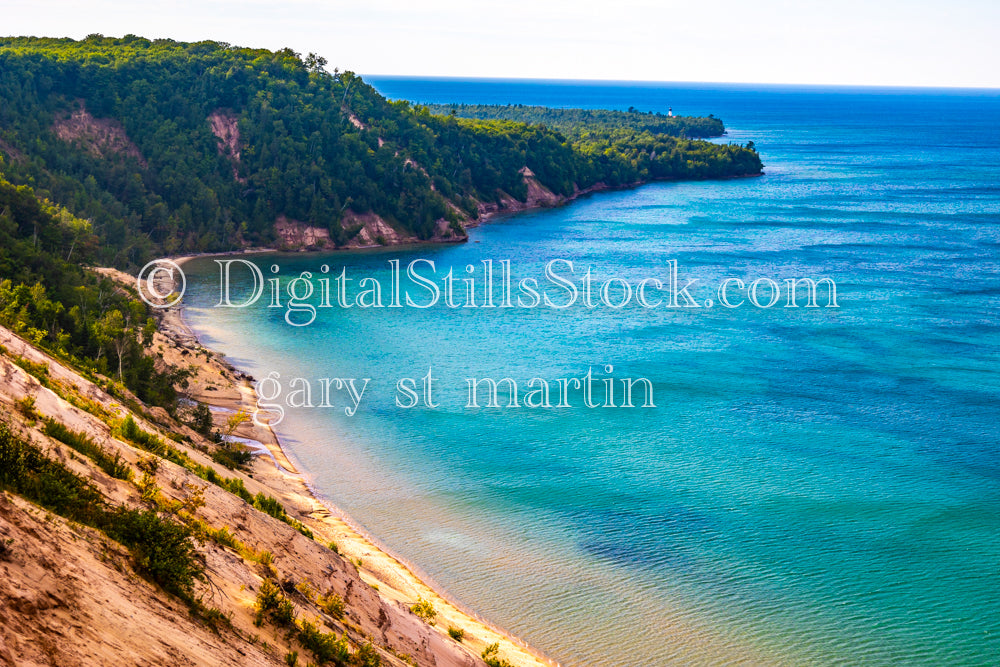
x,y
491,285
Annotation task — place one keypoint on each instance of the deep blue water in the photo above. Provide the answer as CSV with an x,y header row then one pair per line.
x,y
814,486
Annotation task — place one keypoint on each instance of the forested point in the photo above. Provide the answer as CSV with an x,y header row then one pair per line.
x,y
167,147
574,122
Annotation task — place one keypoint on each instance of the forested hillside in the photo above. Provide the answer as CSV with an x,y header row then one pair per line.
x,y
168,147
69,311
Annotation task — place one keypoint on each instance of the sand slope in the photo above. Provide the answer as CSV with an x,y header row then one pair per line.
x,y
68,595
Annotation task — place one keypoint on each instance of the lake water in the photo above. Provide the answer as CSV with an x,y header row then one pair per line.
x,y
814,485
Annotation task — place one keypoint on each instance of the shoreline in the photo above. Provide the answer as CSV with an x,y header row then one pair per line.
x,y
393,577
539,197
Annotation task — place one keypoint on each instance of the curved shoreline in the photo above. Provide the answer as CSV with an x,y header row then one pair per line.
x,y
539,197
395,579
391,571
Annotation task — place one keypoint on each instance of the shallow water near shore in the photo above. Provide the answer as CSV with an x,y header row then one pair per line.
x,y
813,485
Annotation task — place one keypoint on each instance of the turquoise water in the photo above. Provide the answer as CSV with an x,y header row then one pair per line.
x,y
813,486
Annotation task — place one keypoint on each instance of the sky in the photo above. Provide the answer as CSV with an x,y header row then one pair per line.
x,y
849,42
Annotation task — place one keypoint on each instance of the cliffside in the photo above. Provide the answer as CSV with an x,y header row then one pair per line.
x,y
71,594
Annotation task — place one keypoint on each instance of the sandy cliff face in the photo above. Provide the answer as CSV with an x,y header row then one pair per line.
x,y
69,599
226,128
296,235
71,596
373,231
103,137
539,196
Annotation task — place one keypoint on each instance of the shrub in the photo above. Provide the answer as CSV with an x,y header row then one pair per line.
x,y
233,456
366,656
306,589
332,604
269,505
201,419
284,614
26,406
149,464
233,485
148,490
117,467
274,606
425,610
162,549
26,471
491,656
458,634
151,443
326,646
235,420
267,600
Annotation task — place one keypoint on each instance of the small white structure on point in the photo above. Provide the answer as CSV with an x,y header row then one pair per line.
x,y
670,111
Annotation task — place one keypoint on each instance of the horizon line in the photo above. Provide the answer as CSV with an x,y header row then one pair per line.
x,y
654,82
648,82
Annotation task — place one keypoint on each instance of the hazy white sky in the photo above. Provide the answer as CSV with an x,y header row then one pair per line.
x,y
877,42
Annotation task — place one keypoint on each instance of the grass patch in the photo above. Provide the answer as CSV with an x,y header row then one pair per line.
x,y
224,537
270,505
326,647
213,617
131,432
114,466
227,539
39,370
